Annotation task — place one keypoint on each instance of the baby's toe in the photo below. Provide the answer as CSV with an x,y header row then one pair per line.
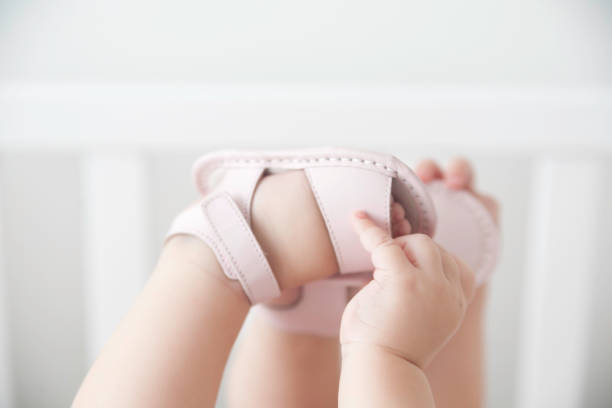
x,y
459,174
428,170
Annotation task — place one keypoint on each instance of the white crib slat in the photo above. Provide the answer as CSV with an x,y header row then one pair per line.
x,y
6,384
115,220
567,202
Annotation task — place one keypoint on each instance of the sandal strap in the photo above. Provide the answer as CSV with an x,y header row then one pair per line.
x,y
340,191
240,184
466,229
319,308
220,223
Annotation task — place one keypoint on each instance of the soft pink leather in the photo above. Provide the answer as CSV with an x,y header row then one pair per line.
x,y
240,184
319,308
338,198
466,229
342,181
221,225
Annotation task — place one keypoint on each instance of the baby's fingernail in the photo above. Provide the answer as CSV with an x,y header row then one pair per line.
x,y
361,214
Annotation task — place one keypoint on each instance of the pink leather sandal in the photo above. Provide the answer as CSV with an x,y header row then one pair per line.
x,y
464,228
342,181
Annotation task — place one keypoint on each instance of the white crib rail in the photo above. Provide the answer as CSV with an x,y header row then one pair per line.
x,y
116,242
567,203
174,116
6,383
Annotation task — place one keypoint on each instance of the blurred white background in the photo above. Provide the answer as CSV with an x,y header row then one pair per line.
x,y
105,104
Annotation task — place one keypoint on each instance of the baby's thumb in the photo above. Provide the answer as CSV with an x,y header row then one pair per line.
x,y
386,254
370,234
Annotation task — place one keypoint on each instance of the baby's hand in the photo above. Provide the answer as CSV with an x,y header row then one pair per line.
x,y
416,300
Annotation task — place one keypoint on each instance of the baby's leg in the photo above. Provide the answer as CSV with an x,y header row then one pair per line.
x,y
275,368
162,353
171,348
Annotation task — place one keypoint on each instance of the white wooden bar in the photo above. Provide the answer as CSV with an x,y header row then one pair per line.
x,y
562,252
173,116
116,244
6,384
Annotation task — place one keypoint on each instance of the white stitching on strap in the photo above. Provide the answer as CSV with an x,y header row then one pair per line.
x,y
242,278
332,235
387,205
269,276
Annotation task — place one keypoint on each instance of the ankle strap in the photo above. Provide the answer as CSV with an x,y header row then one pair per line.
x,y
221,225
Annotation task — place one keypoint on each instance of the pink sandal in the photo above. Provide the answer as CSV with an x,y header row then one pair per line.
x,y
464,227
342,181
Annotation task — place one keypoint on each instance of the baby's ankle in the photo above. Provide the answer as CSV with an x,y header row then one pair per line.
x,y
371,350
289,226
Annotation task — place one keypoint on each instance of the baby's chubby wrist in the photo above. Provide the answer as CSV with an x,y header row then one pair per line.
x,y
362,350
374,375
384,367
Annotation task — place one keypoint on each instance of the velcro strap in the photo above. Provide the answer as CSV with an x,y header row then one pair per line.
x,y
221,225
340,191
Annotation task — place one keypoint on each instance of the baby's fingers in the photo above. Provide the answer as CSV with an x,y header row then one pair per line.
x,y
370,234
386,253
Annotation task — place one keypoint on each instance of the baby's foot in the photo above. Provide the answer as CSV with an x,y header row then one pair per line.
x,y
287,222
